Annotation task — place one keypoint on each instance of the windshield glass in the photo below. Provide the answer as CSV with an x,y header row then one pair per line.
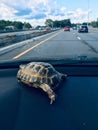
x,y
48,29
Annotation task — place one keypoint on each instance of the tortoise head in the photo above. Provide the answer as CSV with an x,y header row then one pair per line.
x,y
22,66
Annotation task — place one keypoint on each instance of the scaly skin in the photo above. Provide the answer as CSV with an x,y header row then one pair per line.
x,y
46,88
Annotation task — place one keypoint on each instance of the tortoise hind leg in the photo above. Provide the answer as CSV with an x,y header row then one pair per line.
x,y
46,88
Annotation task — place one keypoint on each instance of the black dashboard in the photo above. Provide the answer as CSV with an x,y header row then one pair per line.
x,y
25,108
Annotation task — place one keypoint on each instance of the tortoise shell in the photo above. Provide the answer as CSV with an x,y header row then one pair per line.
x,y
36,73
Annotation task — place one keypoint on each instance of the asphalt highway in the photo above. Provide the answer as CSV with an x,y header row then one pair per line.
x,y
60,43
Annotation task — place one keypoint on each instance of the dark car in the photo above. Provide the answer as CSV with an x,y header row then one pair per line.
x,y
67,28
83,28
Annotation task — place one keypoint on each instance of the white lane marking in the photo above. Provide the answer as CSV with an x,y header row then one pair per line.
x,y
31,48
79,38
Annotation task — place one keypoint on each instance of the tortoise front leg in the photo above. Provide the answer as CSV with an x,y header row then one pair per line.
x,y
46,88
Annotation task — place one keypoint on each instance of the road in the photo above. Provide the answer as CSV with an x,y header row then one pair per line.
x,y
60,44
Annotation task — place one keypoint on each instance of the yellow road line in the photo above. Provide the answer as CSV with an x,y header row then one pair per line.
x,y
31,48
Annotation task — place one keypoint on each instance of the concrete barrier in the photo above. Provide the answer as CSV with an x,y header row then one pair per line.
x,y
9,39
10,47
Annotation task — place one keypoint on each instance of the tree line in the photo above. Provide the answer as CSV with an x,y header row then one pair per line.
x,y
94,23
67,22
15,24
49,22
58,23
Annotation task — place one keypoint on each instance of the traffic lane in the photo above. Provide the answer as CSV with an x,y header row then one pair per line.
x,y
90,39
66,43
91,34
88,36
18,50
94,35
62,45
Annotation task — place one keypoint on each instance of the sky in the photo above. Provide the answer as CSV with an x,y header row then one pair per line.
x,y
37,11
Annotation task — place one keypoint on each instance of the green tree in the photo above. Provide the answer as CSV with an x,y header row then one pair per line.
x,y
74,24
56,23
49,22
67,22
18,24
2,24
37,27
94,24
85,23
27,25
62,23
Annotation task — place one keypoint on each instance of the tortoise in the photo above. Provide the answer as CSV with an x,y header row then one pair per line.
x,y
41,75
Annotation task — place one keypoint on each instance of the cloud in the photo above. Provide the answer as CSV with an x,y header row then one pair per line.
x,y
79,15
7,12
37,11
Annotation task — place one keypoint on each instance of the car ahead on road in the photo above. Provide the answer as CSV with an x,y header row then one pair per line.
x,y
67,28
48,29
83,28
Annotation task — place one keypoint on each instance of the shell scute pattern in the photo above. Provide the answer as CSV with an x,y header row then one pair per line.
x,y
42,75
37,68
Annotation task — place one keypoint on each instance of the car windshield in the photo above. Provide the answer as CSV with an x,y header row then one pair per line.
x,y
36,29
